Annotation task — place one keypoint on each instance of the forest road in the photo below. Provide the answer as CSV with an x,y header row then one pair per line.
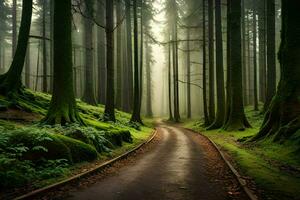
x,y
180,165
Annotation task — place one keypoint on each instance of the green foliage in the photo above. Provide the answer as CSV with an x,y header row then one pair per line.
x,y
80,151
117,137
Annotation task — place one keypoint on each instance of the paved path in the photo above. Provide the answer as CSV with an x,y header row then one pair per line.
x,y
176,168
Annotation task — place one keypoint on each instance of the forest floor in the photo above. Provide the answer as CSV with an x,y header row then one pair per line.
x,y
272,168
33,155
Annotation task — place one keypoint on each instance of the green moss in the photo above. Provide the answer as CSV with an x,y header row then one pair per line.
x,y
40,145
80,151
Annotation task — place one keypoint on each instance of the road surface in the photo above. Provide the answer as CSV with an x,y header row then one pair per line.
x,y
180,165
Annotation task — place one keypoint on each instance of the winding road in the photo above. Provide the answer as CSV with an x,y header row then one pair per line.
x,y
179,165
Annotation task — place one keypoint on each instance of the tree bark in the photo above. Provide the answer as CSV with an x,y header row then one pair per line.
x,y
128,98
271,60
109,113
255,93
262,49
204,83
101,52
14,27
62,108
89,89
119,96
170,81
188,75
45,67
211,107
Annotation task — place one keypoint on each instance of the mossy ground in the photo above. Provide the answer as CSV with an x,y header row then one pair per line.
x,y
26,112
274,167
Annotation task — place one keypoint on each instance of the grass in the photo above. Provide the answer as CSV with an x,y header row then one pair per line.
x,y
274,167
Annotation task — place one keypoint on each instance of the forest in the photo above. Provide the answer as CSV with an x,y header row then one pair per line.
x,y
150,99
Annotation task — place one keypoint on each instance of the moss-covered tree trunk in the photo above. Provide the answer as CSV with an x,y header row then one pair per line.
x,y
220,115
236,119
89,89
282,118
63,105
10,82
109,113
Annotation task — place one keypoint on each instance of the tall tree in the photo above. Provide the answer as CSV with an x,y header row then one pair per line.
x,y
204,82
119,67
219,120
45,64
236,119
128,82
211,57
271,60
255,95
282,119
109,113
101,52
170,79
136,115
262,49
14,27
149,112
188,75
89,89
10,82
62,108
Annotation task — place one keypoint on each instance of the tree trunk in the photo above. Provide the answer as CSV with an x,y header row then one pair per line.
x,y
136,115
262,49
236,118
188,75
10,82
119,13
282,119
204,83
170,82
45,67
255,93
219,120
101,52
128,99
14,27
109,113
271,60
89,90
28,67
211,56
149,112
62,108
